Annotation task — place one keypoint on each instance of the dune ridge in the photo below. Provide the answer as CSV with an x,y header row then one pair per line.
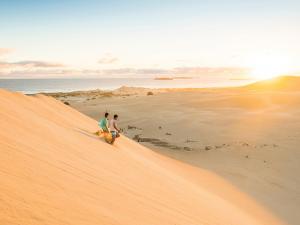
x,y
281,83
55,171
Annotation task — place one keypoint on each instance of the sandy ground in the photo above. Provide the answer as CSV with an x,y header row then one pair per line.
x,y
249,136
54,170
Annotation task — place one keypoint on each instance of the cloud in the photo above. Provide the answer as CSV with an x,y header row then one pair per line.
x,y
29,64
128,71
108,59
4,51
40,73
215,71
179,71
42,69
153,71
40,64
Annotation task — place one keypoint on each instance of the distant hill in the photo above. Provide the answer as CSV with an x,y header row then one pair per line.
x,y
283,83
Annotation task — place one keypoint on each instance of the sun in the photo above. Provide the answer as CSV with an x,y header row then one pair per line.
x,y
265,67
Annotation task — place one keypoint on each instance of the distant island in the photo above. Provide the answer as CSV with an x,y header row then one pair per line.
x,y
163,78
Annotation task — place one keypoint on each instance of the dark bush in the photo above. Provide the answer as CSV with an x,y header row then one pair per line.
x,y
150,93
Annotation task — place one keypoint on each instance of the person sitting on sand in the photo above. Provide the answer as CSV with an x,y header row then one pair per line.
x,y
103,123
114,130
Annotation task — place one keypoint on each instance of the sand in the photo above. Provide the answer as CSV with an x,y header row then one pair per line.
x,y
249,136
54,170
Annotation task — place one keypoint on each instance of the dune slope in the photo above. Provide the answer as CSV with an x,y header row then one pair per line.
x,y
282,83
55,171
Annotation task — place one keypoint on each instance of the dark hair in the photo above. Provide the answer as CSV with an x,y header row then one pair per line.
x,y
115,116
106,114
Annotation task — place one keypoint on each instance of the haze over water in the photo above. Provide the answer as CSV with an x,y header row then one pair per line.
x,y
31,86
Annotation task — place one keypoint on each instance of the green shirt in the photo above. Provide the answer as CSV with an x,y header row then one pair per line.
x,y
103,124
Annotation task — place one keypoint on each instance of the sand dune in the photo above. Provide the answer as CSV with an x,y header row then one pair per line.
x,y
55,171
250,137
282,83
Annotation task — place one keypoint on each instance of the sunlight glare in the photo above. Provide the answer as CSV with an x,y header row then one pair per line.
x,y
265,67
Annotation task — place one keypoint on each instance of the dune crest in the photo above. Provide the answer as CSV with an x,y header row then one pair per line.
x,y
282,83
55,171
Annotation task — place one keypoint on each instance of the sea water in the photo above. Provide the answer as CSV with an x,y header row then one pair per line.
x,y
31,86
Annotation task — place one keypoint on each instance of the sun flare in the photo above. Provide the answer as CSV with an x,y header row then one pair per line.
x,y
266,67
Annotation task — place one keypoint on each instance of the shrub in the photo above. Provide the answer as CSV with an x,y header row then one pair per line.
x,y
150,93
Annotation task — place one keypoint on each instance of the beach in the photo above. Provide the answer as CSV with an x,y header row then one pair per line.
x,y
248,136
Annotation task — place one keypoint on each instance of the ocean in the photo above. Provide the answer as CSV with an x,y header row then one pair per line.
x,y
32,86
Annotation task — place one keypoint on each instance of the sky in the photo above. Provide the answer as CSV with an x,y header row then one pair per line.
x,y
95,38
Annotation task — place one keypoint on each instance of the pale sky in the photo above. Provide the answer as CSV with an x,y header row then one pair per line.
x,y
60,38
